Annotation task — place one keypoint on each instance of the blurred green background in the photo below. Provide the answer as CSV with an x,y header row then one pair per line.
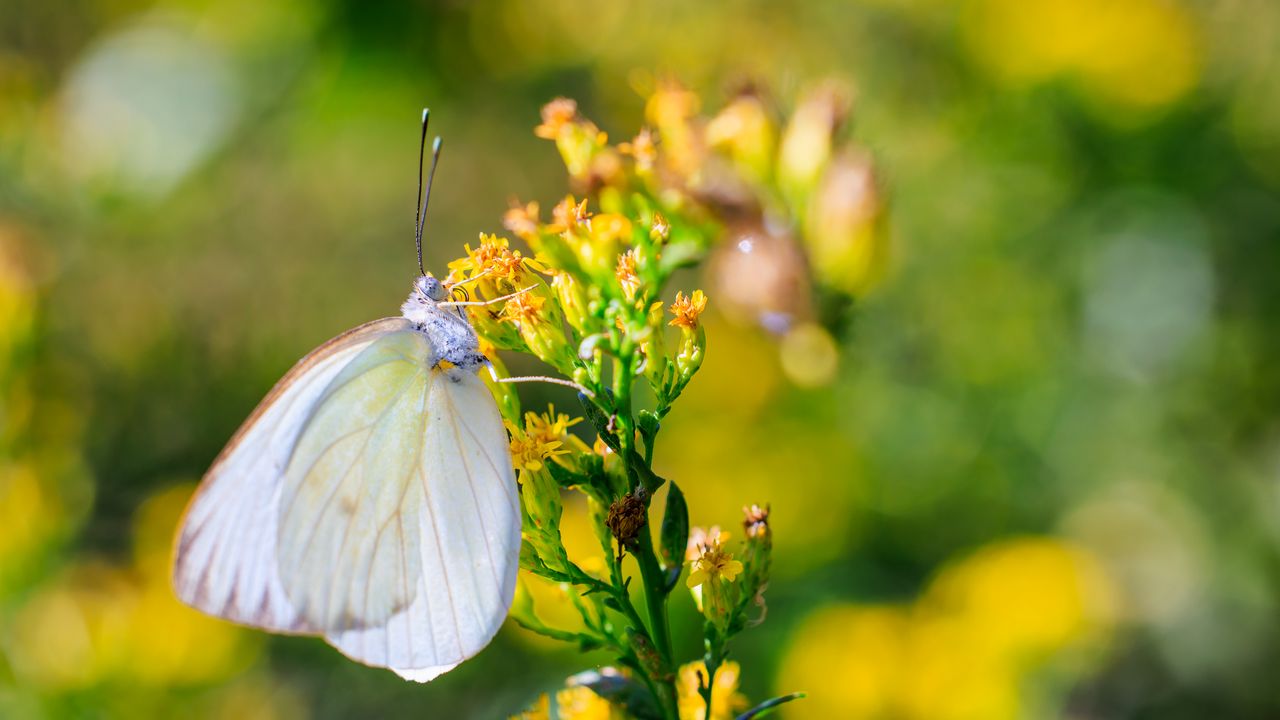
x,y
1044,481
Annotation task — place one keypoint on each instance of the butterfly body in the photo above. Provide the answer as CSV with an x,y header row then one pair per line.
x,y
370,499
451,334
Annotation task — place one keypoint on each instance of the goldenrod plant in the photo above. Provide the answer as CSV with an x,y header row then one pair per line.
x,y
594,302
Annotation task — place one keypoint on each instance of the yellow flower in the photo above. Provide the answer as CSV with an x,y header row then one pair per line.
x,y
568,213
626,273
687,309
494,260
543,427
660,228
709,559
726,701
524,308
529,452
555,115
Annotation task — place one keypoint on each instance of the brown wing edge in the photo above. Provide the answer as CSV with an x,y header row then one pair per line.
x,y
381,326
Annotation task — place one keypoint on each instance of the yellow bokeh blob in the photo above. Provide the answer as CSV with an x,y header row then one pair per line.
x,y
963,650
1128,54
99,621
1030,595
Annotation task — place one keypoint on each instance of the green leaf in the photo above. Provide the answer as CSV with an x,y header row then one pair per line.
x,y
648,478
768,706
648,424
565,477
674,534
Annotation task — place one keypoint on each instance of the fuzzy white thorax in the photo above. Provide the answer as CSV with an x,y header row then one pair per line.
x,y
448,329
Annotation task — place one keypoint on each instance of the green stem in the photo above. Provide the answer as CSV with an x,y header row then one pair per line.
x,y
654,594
712,660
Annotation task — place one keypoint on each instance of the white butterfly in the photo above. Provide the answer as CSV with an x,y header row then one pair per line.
x,y
369,499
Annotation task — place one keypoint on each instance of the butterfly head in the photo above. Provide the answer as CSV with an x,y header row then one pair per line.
x,y
430,288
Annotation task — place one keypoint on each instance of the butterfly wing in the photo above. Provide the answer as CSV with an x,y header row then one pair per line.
x,y
399,528
225,560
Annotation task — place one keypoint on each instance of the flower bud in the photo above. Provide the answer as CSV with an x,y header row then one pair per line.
x,y
844,228
599,247
654,351
536,315
672,109
572,298
540,499
488,323
806,144
748,134
758,555
508,398
693,339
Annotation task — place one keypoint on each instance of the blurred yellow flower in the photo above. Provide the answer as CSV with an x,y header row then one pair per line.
x,y
522,220
687,309
671,109
660,228
643,149
98,622
1134,54
608,228
567,214
726,701
17,304
849,659
30,516
626,273
581,703
1030,595
962,651
555,115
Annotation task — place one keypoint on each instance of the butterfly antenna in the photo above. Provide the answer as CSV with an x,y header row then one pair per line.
x,y
424,198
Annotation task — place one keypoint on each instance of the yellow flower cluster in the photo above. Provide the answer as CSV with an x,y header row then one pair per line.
x,y
592,301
